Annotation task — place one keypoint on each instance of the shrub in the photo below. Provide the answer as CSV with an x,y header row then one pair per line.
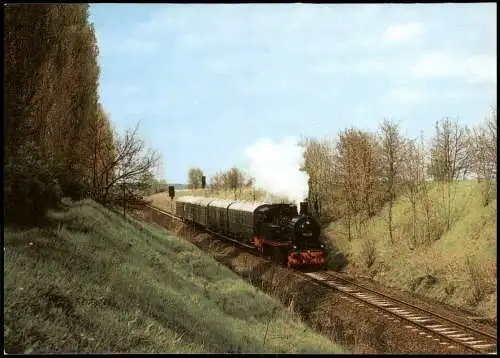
x,y
335,259
30,187
368,252
478,282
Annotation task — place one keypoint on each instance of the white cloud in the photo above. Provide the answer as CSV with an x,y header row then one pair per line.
x,y
400,33
275,167
473,68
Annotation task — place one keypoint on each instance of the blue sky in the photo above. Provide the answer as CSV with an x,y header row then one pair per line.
x,y
210,84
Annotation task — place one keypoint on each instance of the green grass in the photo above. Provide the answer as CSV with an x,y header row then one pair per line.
x,y
457,266
95,282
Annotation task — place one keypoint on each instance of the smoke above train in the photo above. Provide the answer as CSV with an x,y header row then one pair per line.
x,y
275,167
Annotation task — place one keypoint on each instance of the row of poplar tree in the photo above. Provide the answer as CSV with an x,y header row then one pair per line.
x,y
58,139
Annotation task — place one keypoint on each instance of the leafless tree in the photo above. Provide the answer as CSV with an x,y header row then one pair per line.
x,y
450,159
450,154
392,159
232,179
484,154
130,162
358,168
413,180
321,166
194,178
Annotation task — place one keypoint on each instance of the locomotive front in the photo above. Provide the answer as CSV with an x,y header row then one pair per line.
x,y
307,249
290,238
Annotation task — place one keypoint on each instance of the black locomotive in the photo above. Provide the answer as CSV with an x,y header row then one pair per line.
x,y
275,230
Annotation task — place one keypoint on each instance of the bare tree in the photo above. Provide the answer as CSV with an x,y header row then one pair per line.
x,y
319,163
194,178
232,179
358,165
450,159
450,154
216,181
413,180
392,158
484,154
235,180
129,164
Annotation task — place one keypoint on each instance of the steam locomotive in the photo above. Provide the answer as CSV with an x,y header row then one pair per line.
x,y
277,231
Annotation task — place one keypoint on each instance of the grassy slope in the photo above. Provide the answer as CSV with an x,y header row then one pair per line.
x,y
93,282
472,237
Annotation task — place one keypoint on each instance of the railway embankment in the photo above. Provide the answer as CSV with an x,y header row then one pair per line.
x,y
355,326
91,281
451,257
452,264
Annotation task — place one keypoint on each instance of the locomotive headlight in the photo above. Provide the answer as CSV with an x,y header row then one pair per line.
x,y
294,246
322,246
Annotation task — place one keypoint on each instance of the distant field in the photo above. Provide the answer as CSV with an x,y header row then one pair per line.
x,y
95,282
162,200
459,268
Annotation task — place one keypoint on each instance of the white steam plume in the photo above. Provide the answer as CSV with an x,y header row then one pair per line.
x,y
275,167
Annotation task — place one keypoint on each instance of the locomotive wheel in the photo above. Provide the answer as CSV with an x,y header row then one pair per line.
x,y
261,251
279,257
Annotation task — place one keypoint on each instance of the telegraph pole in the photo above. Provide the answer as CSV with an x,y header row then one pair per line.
x,y
124,200
171,193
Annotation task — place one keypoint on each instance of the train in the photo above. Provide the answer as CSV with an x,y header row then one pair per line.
x,y
276,231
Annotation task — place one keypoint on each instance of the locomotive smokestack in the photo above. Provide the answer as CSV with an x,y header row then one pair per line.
x,y
303,208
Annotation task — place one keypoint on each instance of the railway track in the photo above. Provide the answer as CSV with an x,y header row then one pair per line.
x,y
419,320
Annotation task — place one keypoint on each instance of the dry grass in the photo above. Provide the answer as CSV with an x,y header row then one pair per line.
x,y
95,282
369,252
163,200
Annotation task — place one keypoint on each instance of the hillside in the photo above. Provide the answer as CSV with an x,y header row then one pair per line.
x,y
459,268
92,281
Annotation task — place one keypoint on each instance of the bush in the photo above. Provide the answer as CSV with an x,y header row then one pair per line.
x,y
478,282
72,185
335,259
368,252
30,187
